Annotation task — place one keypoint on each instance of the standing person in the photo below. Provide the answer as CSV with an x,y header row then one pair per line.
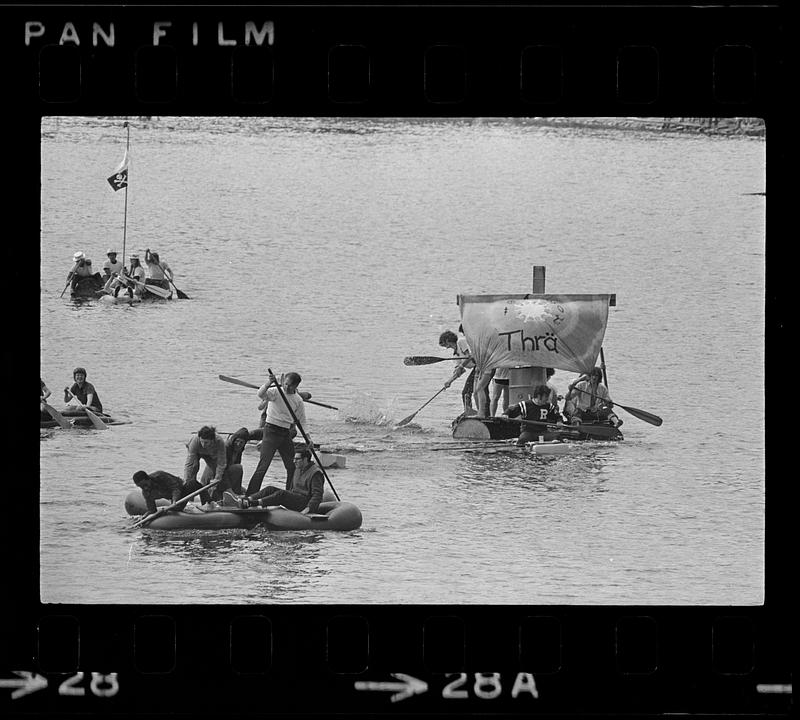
x,y
303,491
591,400
208,446
161,484
155,270
278,426
232,477
538,409
500,383
449,340
83,391
553,392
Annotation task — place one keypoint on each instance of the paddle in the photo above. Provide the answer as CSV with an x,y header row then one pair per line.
x,y
429,359
96,421
598,430
408,419
69,279
57,416
309,444
181,295
243,383
155,289
641,414
161,511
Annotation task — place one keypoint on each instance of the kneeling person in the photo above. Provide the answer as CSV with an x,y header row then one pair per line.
x,y
302,494
539,410
161,484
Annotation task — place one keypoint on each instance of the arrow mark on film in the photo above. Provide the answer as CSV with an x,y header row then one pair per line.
x,y
27,682
406,688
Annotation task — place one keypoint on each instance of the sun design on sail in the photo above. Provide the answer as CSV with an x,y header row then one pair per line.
x,y
537,311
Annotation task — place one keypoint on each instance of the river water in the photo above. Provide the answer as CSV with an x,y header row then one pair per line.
x,y
335,247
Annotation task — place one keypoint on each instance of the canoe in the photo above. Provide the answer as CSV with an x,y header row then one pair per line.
x,y
332,515
78,419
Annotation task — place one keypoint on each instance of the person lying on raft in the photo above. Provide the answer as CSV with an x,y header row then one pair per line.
x,y
303,492
590,400
539,410
232,476
161,484
208,446
83,391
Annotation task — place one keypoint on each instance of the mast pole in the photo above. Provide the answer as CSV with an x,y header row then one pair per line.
x,y
125,217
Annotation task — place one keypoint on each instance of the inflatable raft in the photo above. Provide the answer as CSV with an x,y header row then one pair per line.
x,y
78,419
332,515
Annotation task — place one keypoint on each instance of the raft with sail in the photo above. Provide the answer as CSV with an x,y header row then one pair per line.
x,y
527,333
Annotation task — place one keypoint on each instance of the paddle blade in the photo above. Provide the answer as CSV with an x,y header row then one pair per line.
x,y
96,421
406,420
57,416
642,415
182,295
425,359
236,381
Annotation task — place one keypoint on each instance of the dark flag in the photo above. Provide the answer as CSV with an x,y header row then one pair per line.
x,y
119,179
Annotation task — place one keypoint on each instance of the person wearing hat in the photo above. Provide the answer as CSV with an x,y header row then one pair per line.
x,y
82,271
83,391
135,271
302,494
112,265
232,477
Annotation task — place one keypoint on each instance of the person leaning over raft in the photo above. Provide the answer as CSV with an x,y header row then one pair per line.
x,y
208,446
278,427
303,491
539,410
232,477
160,484
83,391
448,339
591,400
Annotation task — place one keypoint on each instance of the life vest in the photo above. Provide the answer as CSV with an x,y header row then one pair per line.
x,y
301,482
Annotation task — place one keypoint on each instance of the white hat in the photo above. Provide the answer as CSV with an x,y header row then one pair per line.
x,y
78,256
111,252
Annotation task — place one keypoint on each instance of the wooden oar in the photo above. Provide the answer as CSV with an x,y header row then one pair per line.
x,y
641,414
96,421
243,383
586,429
408,419
429,359
161,511
155,289
57,416
309,444
181,295
74,268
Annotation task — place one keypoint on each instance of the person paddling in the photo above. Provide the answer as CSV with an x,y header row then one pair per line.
x,y
83,391
539,409
156,272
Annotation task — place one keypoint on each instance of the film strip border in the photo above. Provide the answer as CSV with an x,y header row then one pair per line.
x,y
502,660
395,60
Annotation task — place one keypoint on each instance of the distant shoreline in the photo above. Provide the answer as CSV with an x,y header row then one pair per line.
x,y
750,127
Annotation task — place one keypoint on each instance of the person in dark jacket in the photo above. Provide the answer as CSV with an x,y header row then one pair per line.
x,y
539,410
161,484
302,494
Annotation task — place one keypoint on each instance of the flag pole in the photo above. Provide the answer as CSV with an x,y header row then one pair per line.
x,y
125,219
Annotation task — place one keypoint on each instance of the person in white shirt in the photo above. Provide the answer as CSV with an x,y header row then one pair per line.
x,y
277,434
